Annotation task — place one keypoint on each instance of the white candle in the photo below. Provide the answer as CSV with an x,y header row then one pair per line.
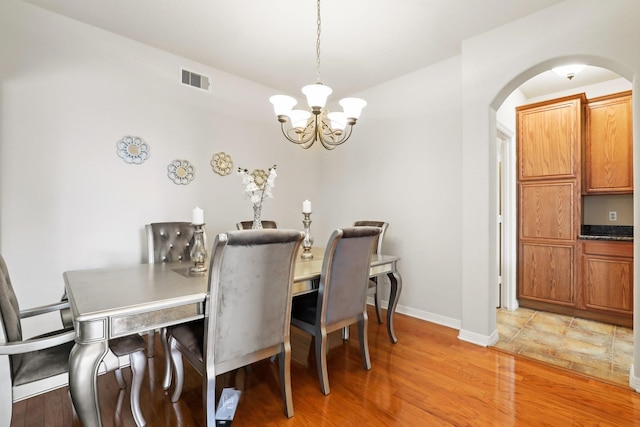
x,y
306,206
198,216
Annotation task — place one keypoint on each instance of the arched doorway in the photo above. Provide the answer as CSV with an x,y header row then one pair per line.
x,y
592,88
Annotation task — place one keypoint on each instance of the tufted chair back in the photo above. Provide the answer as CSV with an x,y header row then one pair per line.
x,y
169,241
10,329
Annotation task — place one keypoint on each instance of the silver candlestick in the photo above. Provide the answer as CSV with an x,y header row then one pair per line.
x,y
198,250
308,238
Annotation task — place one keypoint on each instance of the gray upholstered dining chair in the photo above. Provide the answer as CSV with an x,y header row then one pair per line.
x,y
342,295
247,312
246,225
29,367
168,242
377,249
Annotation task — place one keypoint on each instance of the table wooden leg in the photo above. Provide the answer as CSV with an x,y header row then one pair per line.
x,y
84,361
396,288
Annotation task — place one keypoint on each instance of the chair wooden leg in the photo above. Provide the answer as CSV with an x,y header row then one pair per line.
x,y
176,361
6,393
364,342
345,333
120,379
117,416
284,359
166,381
151,335
376,300
138,363
321,361
208,395
311,355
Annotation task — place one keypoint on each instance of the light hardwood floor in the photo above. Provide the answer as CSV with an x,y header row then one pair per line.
x,y
429,378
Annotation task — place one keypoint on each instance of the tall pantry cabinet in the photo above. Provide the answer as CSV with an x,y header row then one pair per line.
x,y
550,136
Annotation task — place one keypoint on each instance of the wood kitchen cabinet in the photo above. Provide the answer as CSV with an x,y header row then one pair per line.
x,y
568,147
607,279
608,151
549,140
547,241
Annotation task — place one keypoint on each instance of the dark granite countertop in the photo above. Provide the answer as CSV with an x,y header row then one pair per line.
x,y
621,233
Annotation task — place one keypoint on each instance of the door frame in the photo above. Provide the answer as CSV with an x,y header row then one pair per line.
x,y
507,217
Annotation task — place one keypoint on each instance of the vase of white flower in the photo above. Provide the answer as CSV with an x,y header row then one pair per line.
x,y
258,185
257,217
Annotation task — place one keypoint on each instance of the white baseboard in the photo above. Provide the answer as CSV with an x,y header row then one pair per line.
x,y
634,382
449,322
479,339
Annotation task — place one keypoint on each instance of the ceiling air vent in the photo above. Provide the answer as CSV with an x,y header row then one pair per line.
x,y
194,79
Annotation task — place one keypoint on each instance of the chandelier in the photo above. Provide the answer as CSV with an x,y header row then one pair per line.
x,y
317,124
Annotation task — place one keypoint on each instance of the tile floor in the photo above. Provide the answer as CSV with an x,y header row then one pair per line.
x,y
592,348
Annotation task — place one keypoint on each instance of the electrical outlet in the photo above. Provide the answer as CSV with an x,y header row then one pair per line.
x,y
613,216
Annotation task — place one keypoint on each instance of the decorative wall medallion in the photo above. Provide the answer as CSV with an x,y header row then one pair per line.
x,y
221,163
260,177
133,149
181,172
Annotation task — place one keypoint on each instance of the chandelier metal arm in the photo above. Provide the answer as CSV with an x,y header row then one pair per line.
x,y
332,138
316,129
304,137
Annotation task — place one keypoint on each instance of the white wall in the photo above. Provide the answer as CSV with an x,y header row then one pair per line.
x,y
506,114
68,93
581,30
402,165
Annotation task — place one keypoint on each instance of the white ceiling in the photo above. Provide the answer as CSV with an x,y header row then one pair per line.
x,y
273,42
549,82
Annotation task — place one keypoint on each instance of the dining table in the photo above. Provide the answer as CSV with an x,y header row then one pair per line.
x,y
113,302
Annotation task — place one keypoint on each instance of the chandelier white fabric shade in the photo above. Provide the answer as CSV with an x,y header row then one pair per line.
x,y
353,106
317,94
299,118
306,127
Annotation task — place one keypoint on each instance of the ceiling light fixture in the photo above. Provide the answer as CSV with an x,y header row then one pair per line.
x,y
307,127
568,71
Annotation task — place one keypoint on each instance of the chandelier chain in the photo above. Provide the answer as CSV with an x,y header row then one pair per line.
x,y
319,23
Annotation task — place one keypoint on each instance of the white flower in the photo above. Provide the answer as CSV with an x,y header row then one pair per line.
x,y
256,186
251,187
271,180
